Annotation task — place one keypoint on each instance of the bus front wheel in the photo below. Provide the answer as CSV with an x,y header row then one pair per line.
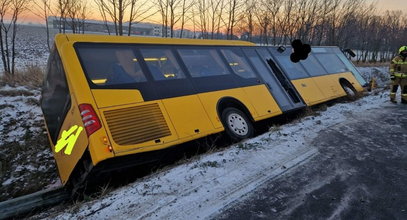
x,y
237,125
351,93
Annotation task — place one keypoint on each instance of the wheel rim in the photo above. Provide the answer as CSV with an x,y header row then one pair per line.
x,y
237,124
349,91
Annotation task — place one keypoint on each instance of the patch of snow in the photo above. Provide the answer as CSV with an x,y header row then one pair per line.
x,y
23,143
379,73
9,181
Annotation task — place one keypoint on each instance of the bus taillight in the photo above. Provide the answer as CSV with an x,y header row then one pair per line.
x,y
89,118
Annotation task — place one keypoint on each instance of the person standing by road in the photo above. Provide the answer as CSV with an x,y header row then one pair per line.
x,y
398,75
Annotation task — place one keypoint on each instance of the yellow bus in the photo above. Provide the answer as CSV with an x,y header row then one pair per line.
x,y
109,96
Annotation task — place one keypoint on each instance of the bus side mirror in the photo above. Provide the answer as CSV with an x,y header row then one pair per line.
x,y
281,49
350,52
300,51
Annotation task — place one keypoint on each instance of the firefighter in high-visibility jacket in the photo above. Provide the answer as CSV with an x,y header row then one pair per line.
x,y
398,75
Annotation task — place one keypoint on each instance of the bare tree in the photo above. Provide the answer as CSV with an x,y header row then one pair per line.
x,y
102,12
116,10
14,8
62,11
233,10
274,7
42,9
139,11
186,7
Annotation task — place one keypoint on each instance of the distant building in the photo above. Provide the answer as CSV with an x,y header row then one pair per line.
x,y
87,25
185,34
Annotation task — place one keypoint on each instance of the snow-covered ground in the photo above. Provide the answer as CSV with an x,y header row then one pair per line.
x,y
379,73
26,163
200,188
31,47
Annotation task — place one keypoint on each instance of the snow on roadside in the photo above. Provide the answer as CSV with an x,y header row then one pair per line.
x,y
199,189
379,73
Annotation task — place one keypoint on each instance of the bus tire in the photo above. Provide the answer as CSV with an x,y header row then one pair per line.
x,y
237,125
351,93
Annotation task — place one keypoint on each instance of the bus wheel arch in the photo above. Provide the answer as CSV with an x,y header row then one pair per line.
x,y
236,118
350,91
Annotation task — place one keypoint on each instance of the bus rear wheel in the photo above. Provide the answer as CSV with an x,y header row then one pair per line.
x,y
237,125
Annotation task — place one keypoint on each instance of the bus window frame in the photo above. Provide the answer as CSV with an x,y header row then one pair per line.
x,y
313,55
185,86
235,80
166,88
346,69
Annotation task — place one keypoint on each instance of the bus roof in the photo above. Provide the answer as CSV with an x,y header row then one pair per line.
x,y
148,40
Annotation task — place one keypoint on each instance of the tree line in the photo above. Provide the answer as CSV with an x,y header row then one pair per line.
x,y
352,24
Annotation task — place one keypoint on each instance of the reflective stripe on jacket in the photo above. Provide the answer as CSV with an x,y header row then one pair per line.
x,y
401,75
398,66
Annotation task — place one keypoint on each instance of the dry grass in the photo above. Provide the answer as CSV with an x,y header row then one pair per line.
x,y
31,76
367,64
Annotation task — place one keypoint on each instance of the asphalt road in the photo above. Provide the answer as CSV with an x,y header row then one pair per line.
x,y
359,173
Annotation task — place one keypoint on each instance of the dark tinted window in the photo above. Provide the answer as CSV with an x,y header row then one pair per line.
x,y
238,63
332,63
55,100
162,64
312,66
203,62
111,65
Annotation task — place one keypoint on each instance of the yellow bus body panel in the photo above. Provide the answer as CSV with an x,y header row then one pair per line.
x,y
351,78
114,97
265,105
126,127
210,101
66,163
188,116
319,89
309,91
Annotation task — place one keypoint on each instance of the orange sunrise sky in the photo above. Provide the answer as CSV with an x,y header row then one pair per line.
x,y
382,5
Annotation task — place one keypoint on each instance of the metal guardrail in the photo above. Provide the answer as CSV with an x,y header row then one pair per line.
x,y
30,202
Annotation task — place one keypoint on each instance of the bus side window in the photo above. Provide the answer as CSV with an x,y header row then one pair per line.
x,y
293,70
331,63
203,62
238,63
110,66
312,66
162,64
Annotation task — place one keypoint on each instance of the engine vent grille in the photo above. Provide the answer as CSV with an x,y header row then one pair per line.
x,y
136,125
